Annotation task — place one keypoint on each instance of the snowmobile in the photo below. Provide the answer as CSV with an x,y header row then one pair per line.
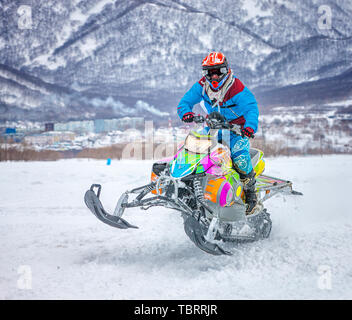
x,y
200,182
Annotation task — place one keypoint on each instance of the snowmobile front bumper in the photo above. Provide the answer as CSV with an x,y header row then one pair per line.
x,y
93,202
91,199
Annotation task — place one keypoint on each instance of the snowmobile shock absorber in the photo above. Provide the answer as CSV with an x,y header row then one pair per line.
x,y
198,190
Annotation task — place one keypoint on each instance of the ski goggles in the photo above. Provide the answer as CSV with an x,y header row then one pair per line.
x,y
222,73
209,73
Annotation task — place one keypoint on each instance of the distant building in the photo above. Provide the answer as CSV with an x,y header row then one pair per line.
x,y
99,125
80,127
10,131
11,134
48,138
49,127
121,124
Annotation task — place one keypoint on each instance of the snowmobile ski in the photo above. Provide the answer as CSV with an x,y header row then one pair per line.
x,y
93,203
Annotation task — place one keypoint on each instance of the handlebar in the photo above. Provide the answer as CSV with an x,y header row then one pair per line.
x,y
216,124
198,119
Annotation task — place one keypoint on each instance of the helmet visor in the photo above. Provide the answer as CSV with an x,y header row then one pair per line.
x,y
215,74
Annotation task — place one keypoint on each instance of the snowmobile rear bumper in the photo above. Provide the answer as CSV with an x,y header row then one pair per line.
x,y
272,186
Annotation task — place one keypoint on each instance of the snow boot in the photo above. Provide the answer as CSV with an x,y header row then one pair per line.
x,y
249,189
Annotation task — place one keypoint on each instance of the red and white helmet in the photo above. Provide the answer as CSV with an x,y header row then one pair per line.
x,y
215,69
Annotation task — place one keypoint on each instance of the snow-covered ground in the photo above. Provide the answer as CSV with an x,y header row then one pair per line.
x,y
52,247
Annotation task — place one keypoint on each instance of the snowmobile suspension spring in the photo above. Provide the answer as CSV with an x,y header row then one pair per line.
x,y
198,190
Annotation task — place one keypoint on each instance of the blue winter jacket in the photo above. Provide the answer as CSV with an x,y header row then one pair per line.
x,y
239,105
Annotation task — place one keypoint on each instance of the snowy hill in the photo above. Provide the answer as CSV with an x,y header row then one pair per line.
x,y
97,58
51,240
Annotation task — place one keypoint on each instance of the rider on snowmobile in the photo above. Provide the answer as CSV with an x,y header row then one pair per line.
x,y
224,96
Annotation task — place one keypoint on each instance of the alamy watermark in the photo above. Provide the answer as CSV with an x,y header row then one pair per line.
x,y
325,19
150,147
24,282
145,147
24,21
324,280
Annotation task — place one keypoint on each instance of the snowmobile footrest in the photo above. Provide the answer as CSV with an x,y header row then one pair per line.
x,y
194,231
93,203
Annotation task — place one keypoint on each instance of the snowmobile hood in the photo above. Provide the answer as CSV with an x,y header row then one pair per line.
x,y
185,163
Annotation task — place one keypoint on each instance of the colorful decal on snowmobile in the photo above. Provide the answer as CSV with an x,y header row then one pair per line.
x,y
238,191
221,156
219,191
232,176
259,168
260,165
225,189
200,169
184,164
212,189
153,178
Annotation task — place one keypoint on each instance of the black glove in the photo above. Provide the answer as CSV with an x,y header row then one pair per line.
x,y
188,117
247,132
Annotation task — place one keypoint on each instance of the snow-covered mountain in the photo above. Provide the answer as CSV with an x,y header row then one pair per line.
x,y
88,59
